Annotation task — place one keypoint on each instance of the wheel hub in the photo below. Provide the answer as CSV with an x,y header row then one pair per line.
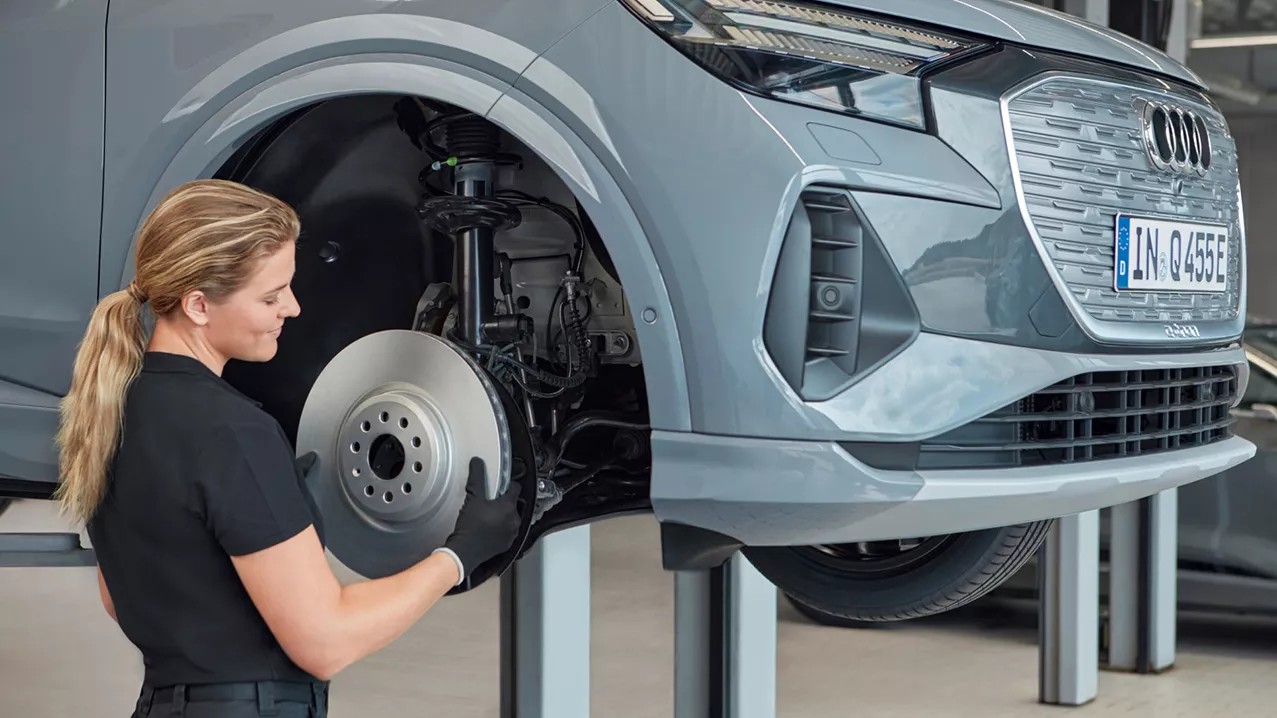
x,y
395,418
398,455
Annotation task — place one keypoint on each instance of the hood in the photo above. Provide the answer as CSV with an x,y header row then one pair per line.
x,y
1030,25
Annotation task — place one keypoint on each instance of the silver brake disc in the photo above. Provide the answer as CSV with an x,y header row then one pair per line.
x,y
395,418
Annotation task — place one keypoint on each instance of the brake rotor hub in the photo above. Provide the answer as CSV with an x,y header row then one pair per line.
x,y
395,418
398,455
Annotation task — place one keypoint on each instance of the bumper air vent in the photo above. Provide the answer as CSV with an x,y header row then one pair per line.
x,y
1100,415
838,307
835,287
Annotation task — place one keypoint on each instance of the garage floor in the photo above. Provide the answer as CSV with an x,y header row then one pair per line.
x,y
60,655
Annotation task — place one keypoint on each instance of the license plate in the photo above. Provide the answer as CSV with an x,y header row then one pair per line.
x,y
1169,255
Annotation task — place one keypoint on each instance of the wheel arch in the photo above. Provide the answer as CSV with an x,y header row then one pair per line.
x,y
211,143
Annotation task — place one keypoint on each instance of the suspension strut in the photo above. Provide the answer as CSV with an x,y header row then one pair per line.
x,y
473,215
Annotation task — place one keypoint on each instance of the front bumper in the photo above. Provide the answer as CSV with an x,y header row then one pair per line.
x,y
777,492
794,492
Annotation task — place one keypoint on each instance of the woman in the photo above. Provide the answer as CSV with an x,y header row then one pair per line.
x,y
209,555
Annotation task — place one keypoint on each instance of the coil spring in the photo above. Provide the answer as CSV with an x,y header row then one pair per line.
x,y
468,139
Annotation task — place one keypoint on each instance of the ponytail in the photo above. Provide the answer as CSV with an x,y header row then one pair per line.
x,y
92,413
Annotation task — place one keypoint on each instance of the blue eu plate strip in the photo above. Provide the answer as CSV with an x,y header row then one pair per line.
x,y
1122,268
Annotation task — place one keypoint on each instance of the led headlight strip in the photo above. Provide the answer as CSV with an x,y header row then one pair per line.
x,y
865,30
808,52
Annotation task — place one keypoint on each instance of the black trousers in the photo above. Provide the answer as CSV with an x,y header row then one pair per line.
x,y
273,699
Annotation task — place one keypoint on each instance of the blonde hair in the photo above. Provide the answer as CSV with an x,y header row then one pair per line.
x,y
206,235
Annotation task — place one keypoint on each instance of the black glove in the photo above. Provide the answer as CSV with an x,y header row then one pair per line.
x,y
308,465
484,527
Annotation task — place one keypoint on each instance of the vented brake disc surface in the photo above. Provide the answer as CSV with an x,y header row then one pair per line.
x,y
395,418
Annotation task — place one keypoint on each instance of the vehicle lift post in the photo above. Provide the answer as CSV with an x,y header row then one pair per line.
x,y
1142,584
1068,616
1143,539
724,642
545,629
724,636
1142,597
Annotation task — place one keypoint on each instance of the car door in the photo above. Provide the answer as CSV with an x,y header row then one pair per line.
x,y
52,86
1226,521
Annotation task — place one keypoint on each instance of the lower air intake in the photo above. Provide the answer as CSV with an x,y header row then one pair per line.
x,y
1099,415
834,309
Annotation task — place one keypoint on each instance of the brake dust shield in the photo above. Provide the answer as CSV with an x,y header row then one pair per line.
x,y
395,418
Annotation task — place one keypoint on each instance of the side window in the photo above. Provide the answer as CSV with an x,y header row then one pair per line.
x,y
1262,388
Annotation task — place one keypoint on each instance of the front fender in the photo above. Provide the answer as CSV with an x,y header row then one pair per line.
x,y
238,118
144,144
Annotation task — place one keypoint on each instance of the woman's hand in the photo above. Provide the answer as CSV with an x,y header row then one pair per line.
x,y
485,527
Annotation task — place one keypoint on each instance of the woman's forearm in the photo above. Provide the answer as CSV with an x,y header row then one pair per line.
x,y
324,626
371,614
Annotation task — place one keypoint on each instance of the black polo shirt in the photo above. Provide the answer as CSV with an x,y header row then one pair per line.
x,y
202,474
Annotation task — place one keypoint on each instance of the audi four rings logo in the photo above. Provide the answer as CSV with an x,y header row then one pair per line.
x,y
1176,140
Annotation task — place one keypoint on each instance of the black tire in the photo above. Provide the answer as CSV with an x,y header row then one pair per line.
x,y
833,586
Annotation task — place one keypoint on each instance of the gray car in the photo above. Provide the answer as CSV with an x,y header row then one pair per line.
x,y
797,278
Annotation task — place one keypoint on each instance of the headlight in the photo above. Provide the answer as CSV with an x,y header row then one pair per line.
x,y
809,53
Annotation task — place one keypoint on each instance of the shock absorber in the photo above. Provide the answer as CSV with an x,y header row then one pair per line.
x,y
472,215
473,142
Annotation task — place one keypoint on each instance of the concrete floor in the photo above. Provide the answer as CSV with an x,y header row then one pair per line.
x,y
60,655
